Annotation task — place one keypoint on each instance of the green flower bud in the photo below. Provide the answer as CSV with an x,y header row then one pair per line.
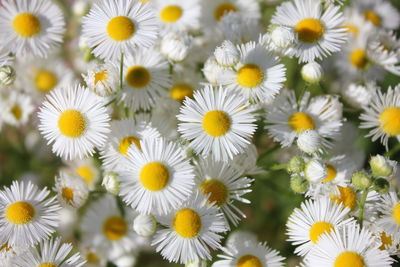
x,y
381,186
7,75
296,165
111,183
381,166
298,184
361,180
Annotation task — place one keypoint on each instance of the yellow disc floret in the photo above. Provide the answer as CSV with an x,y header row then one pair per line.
x,y
16,111
154,176
331,173
26,25
47,264
250,75
216,190
171,13
373,17
216,123
319,228
389,121
223,9
358,58
20,212
349,259
249,261
386,241
45,80
346,196
138,76
396,213
180,91
126,143
114,228
120,28
187,223
100,76
67,194
301,121
72,123
86,173
309,30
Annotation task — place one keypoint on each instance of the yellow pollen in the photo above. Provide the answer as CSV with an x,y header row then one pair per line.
x,y
67,194
250,75
120,28
358,58
92,258
137,76
126,143
301,121
223,9
346,196
373,17
216,123
396,213
45,80
248,261
180,91
16,111
319,228
5,247
353,29
171,13
100,76
187,223
72,123
309,30
331,173
386,241
389,121
114,228
20,212
217,191
26,25
86,173
47,264
154,176
349,259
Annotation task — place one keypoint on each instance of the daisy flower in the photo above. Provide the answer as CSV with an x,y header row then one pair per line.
x,y
50,253
74,120
102,79
380,13
315,217
383,115
389,206
348,246
93,257
30,27
258,75
146,75
286,118
176,15
223,186
192,230
17,108
384,240
71,190
249,254
123,134
27,215
318,32
157,177
85,169
217,122
119,26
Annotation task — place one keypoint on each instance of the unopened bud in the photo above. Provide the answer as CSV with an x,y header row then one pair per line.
x,y
381,186
7,75
296,165
361,180
111,183
312,72
381,166
299,184
145,225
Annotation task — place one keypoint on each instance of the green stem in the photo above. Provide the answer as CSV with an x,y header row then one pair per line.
x,y
121,71
302,92
393,150
361,206
278,167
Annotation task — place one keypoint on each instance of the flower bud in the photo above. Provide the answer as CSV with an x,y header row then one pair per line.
x,y
111,183
315,171
282,37
176,46
296,165
196,263
145,225
227,54
80,8
361,180
381,166
312,72
7,75
309,141
212,70
381,185
298,184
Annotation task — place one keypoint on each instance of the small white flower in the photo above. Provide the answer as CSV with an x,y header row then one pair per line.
x,y
312,72
281,37
7,75
72,191
111,183
315,171
176,46
227,55
381,166
145,225
309,141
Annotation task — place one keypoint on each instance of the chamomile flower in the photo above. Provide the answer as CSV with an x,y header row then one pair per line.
x,y
383,115
286,118
17,108
27,214
389,206
123,134
319,32
93,257
217,122
192,230
102,79
258,76
85,169
74,120
71,190
223,186
145,79
385,241
380,13
119,26
157,177
249,254
48,254
348,246
30,27
315,218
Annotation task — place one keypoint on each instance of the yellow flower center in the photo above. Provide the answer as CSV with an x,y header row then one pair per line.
x,y
309,30
26,25
396,213
301,121
86,173
216,123
67,194
187,223
249,261
171,13
154,176
100,76
346,196
349,259
319,228
120,28
358,58
250,75
217,191
47,264
180,91
223,9
92,258
126,143
373,17
5,247
138,76
331,173
114,228
353,29
16,111
72,123
389,121
45,80
386,241
20,212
